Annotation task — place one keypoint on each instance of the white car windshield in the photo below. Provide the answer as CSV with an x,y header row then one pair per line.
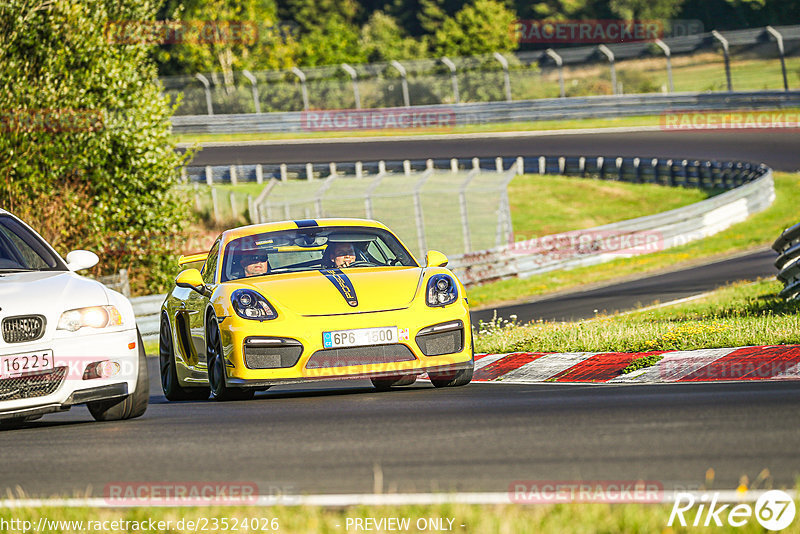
x,y
311,249
22,250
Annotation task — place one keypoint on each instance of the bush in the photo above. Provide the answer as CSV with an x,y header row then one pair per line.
x,y
85,149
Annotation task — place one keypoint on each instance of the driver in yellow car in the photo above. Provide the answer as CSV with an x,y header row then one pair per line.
x,y
255,264
343,255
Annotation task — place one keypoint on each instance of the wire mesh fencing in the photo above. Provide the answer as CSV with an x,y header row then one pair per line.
x,y
743,60
455,211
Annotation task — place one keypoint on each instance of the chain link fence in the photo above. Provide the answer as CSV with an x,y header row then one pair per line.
x,y
455,211
743,60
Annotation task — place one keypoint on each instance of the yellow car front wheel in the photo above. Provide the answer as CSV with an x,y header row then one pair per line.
x,y
216,367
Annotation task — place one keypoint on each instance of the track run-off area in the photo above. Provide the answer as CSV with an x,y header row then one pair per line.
x,y
345,437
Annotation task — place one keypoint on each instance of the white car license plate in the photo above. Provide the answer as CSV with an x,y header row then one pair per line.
x,y
359,336
18,364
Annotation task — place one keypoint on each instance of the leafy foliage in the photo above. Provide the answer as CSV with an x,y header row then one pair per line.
x,y
85,153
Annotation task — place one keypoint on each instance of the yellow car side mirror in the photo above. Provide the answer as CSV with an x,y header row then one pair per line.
x,y
434,258
192,279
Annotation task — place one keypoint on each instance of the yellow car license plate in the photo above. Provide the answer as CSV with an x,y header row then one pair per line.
x,y
359,336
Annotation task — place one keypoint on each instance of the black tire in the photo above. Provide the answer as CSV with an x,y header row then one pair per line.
x,y
385,382
216,367
170,385
135,404
452,379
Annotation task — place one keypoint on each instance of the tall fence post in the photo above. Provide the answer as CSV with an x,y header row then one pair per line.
x,y
303,89
726,54
506,78
610,56
453,79
207,88
418,215
560,64
779,39
215,204
354,77
254,86
668,54
402,70
462,201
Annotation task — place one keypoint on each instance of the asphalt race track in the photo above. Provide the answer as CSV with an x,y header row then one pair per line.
x,y
645,291
481,437
780,150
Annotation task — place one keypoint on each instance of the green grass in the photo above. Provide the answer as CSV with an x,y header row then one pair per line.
x,y
495,519
545,205
760,230
738,315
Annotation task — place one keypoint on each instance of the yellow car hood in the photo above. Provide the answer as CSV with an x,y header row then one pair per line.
x,y
333,292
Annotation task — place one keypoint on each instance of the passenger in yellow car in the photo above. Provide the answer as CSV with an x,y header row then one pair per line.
x,y
255,264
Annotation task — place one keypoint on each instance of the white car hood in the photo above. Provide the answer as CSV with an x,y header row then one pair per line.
x,y
47,293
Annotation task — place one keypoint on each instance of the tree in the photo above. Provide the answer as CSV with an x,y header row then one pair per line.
x,y
383,40
85,153
559,10
228,35
481,27
334,42
661,10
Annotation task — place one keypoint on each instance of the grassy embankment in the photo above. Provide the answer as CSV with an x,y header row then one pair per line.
x,y
760,230
737,315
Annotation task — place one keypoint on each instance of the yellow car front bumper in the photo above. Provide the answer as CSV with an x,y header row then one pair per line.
x,y
294,345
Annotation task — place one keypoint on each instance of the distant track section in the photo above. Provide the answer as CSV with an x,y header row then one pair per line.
x,y
778,149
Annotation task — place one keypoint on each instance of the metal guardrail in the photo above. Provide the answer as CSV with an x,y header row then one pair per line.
x,y
147,311
499,112
750,190
788,246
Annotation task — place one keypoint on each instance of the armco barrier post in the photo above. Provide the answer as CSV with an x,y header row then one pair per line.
x,y
303,89
667,53
402,70
254,86
453,78
610,56
560,64
506,78
779,39
354,78
207,88
726,55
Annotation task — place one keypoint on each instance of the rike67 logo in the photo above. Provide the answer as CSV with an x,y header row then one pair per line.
x,y
774,510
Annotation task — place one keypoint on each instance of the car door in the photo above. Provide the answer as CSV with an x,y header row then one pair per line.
x,y
196,305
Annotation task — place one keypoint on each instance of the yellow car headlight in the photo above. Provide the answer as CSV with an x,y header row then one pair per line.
x,y
93,317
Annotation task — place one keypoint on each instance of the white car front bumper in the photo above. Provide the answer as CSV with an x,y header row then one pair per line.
x,y
33,394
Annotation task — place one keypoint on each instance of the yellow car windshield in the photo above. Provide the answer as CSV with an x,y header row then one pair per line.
x,y
311,249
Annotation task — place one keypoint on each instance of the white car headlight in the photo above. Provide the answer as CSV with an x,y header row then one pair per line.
x,y
93,317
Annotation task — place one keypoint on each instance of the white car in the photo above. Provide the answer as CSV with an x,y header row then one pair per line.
x,y
66,339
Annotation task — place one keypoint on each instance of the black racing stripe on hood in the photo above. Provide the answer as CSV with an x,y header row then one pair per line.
x,y
306,223
343,284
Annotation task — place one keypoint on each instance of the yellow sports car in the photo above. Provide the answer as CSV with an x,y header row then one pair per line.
x,y
296,301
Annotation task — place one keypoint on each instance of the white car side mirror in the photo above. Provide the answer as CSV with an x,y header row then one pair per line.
x,y
78,260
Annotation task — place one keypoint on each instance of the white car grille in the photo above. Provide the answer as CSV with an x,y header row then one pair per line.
x,y
23,328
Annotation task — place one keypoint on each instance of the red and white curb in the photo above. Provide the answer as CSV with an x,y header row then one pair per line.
x,y
775,362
